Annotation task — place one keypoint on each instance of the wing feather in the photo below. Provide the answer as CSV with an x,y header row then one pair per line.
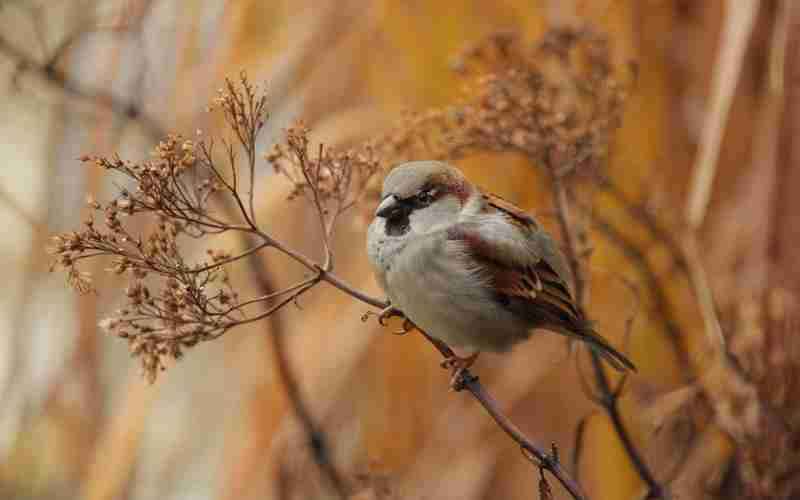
x,y
531,283
510,209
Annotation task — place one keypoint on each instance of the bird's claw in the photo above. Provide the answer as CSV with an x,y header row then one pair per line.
x,y
388,313
391,312
407,327
459,366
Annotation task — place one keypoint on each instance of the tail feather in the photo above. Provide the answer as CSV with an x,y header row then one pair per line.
x,y
584,331
600,346
558,314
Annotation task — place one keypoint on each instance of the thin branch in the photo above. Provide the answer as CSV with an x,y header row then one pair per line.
x,y
609,396
580,433
183,313
317,440
544,460
7,199
609,400
570,239
312,184
638,212
739,21
704,295
229,260
97,97
661,302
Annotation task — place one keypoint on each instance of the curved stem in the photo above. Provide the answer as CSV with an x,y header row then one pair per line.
x,y
546,461
608,396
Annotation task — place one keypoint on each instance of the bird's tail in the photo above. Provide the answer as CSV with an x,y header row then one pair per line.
x,y
585,331
565,317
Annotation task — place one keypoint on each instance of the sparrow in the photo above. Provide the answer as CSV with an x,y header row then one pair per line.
x,y
471,269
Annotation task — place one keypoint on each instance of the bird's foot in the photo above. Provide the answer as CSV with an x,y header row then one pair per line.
x,y
458,366
391,312
408,325
388,313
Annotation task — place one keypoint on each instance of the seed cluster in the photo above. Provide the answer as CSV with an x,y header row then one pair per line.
x,y
557,102
186,191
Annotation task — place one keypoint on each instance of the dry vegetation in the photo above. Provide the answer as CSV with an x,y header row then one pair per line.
x,y
713,412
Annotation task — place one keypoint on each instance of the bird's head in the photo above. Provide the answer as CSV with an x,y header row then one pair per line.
x,y
421,195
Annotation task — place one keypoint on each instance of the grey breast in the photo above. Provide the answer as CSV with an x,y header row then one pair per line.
x,y
431,281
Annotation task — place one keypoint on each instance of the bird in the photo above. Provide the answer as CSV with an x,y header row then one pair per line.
x,y
470,268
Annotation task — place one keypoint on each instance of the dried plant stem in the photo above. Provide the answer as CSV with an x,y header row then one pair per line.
x,y
56,78
545,461
323,274
567,231
317,440
704,295
739,23
639,259
192,304
468,381
609,400
608,396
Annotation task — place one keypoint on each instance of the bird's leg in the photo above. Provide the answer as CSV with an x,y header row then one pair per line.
x,y
383,315
388,313
458,365
408,325
391,312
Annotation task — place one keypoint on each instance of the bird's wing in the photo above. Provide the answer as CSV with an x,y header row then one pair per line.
x,y
528,273
514,212
514,262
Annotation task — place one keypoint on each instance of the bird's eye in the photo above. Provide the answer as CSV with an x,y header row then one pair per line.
x,y
425,197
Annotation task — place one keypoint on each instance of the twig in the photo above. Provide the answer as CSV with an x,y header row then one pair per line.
x,y
662,304
609,396
185,310
570,239
58,79
468,381
15,206
580,433
609,400
544,460
703,293
638,212
738,26
317,440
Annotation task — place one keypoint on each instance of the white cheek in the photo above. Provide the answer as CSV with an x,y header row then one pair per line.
x,y
440,214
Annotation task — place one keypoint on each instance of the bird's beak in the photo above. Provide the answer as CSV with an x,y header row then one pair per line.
x,y
388,206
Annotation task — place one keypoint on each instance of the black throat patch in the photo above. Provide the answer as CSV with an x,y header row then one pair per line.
x,y
398,225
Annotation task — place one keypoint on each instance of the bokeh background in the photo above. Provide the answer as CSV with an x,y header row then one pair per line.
x,y
86,76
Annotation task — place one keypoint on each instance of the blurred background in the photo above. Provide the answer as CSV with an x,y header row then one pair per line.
x,y
95,77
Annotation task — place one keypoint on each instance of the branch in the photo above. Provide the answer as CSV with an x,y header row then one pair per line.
x,y
549,462
317,441
184,308
638,258
609,397
545,461
60,80
570,239
738,27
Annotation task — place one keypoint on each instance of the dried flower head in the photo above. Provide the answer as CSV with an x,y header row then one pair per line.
x,y
557,102
184,191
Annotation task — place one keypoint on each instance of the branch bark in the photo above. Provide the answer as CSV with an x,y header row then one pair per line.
x,y
609,396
